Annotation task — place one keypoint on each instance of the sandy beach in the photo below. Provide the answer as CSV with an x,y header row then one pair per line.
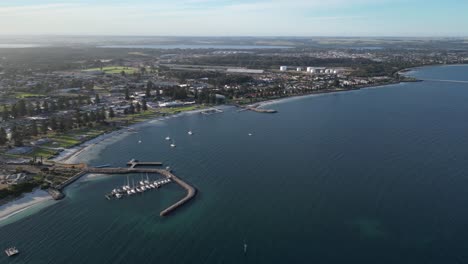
x,y
71,155
26,201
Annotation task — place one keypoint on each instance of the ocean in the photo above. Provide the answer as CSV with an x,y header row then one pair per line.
x,y
377,175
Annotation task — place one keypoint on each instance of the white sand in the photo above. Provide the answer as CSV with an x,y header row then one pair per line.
x,y
26,201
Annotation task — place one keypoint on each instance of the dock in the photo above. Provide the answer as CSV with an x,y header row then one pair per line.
x,y
191,191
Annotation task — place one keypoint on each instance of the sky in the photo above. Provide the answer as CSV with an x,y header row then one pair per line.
x,y
415,18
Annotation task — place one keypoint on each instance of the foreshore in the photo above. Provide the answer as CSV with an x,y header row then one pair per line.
x,y
23,203
70,156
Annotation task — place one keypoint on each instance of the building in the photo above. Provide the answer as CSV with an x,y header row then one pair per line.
x,y
283,68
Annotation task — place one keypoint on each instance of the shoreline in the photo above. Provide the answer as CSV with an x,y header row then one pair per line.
x,y
279,100
68,156
23,203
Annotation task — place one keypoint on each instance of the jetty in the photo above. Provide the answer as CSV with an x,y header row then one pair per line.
x,y
57,194
134,163
255,108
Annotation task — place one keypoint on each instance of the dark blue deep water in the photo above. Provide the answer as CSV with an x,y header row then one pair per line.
x,y
372,176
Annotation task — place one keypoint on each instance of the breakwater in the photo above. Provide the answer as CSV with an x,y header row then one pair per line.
x,y
57,194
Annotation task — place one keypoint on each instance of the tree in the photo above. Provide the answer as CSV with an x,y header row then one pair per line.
x,y
102,114
30,111
78,118
53,106
5,113
45,105
85,118
131,109
17,136
144,105
38,108
149,87
53,123
111,113
33,129
92,116
14,111
22,111
127,94
3,136
97,100
43,127
138,107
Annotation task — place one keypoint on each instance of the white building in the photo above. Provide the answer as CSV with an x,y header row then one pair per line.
x,y
283,68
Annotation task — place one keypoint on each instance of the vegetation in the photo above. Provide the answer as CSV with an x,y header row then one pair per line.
x,y
115,70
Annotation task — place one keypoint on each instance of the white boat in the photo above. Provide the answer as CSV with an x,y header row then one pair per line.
x,y
118,195
11,251
129,192
168,138
250,134
139,141
245,248
173,145
190,132
152,186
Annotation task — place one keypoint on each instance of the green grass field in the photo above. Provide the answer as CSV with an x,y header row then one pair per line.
x,y
115,69
27,95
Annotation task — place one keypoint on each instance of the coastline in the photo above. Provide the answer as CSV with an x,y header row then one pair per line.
x,y
282,99
70,155
23,203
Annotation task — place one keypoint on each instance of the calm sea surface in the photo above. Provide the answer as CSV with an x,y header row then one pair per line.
x,y
372,176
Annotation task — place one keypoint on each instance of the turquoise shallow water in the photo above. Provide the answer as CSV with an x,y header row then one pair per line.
x,y
371,176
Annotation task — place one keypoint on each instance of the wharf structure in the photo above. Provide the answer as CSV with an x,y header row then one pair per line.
x,y
255,108
57,194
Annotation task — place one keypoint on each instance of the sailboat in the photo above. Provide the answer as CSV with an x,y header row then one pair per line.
x,y
245,248
173,145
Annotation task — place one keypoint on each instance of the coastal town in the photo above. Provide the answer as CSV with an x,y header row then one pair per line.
x,y
49,106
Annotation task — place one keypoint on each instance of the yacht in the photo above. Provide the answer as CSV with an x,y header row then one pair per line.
x,y
118,195
11,251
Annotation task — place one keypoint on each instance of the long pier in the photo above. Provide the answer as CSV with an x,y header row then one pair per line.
x,y
134,163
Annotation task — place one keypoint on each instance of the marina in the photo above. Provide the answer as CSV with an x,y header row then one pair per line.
x,y
141,187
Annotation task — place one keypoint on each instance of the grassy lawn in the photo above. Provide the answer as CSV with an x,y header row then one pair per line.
x,y
42,152
27,95
174,110
115,69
